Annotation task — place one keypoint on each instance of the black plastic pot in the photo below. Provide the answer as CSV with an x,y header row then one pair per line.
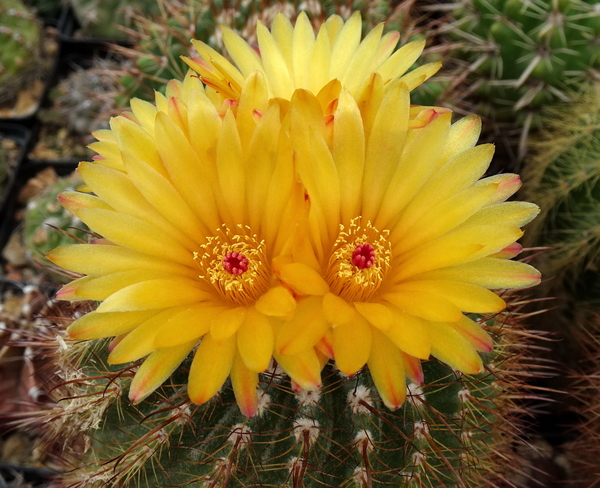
x,y
22,136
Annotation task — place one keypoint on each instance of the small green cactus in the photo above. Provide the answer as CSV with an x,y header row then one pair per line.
x,y
525,55
564,180
47,224
453,430
106,19
21,41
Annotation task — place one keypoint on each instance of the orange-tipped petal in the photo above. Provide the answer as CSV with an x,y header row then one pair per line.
x,y
304,369
387,369
156,369
450,347
474,334
97,325
413,368
245,383
210,368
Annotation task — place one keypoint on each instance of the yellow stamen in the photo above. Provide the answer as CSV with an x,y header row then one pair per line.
x,y
359,261
235,264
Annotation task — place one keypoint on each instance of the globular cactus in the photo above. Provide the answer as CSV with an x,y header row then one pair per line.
x,y
47,224
453,430
20,56
107,19
564,180
523,56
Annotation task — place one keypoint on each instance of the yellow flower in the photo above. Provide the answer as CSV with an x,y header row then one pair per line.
x,y
402,238
192,205
292,57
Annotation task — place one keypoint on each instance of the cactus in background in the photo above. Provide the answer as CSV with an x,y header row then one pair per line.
x,y
159,41
107,18
48,224
47,9
564,180
453,429
20,56
523,56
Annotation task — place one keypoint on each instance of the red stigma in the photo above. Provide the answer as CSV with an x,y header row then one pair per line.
x,y
363,256
235,263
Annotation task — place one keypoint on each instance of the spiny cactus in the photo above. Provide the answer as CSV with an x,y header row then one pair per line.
x,y
564,180
453,430
48,224
161,40
106,19
20,56
523,56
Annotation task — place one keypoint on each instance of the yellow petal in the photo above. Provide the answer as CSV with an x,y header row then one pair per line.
x,y
277,302
349,154
246,58
413,368
352,345
302,51
401,60
190,323
410,334
424,304
490,273
377,314
387,369
74,200
275,66
465,296
255,340
95,325
344,46
506,213
100,259
210,368
463,135
304,330
450,347
474,334
358,67
153,294
384,148
140,341
225,324
232,178
421,74
337,310
135,234
244,383
303,279
156,369
303,368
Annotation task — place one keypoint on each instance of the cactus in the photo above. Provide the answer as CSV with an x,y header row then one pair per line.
x,y
161,40
20,56
453,430
48,224
107,18
523,56
564,179
47,9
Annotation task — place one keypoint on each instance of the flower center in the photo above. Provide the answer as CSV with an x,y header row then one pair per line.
x,y
235,264
363,256
359,261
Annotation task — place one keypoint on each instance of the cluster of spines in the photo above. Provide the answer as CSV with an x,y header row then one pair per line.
x,y
563,178
523,56
453,429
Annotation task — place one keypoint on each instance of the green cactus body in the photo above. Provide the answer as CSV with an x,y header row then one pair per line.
x,y
20,56
453,430
525,55
105,18
48,224
564,180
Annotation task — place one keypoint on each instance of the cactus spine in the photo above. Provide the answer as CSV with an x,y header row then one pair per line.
x,y
453,430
